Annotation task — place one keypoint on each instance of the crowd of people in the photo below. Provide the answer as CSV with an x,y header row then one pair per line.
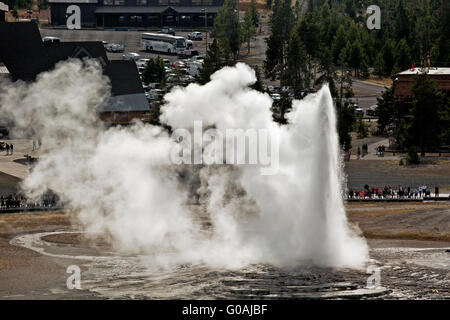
x,y
391,193
18,200
8,147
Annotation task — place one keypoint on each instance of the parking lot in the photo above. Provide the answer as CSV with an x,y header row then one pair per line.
x,y
131,40
366,93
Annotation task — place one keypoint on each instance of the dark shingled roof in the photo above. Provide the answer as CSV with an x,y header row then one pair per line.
x,y
25,56
64,50
124,77
18,42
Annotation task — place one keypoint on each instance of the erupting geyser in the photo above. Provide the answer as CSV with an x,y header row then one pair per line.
x,y
122,183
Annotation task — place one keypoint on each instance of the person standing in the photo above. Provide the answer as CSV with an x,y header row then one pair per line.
x,y
12,148
7,149
359,152
436,191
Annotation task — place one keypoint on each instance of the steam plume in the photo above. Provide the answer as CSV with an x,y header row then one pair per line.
x,y
122,183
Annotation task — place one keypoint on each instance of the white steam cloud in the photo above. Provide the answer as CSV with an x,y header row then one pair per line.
x,y
123,185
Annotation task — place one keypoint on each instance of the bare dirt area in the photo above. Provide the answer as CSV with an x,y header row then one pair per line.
x,y
16,223
411,221
37,248
388,172
26,274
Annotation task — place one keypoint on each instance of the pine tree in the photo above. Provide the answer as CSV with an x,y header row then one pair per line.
x,y
426,127
254,13
227,29
388,57
423,30
385,110
402,22
211,64
154,71
402,56
281,24
248,27
356,56
309,31
339,42
328,71
379,65
258,85
441,48
297,72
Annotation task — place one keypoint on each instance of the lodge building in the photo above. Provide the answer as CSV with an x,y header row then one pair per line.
x,y
25,55
138,13
405,80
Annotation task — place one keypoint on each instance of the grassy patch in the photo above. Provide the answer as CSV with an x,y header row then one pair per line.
x,y
376,233
28,222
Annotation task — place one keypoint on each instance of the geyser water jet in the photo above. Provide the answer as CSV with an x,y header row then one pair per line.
x,y
123,184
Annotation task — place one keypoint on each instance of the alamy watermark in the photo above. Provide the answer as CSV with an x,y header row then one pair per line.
x,y
73,14
374,21
232,146
74,280
374,280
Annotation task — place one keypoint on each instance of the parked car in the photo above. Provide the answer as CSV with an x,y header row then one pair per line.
x,y
196,35
113,47
51,40
153,85
275,97
187,54
285,89
198,58
358,110
141,63
371,111
189,44
179,64
193,67
168,31
131,56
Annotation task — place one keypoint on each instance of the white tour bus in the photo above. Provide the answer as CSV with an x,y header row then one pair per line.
x,y
162,42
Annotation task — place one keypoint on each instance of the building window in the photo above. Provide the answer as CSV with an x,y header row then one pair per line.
x,y
141,2
119,2
108,2
174,2
196,2
163,2
137,20
208,2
